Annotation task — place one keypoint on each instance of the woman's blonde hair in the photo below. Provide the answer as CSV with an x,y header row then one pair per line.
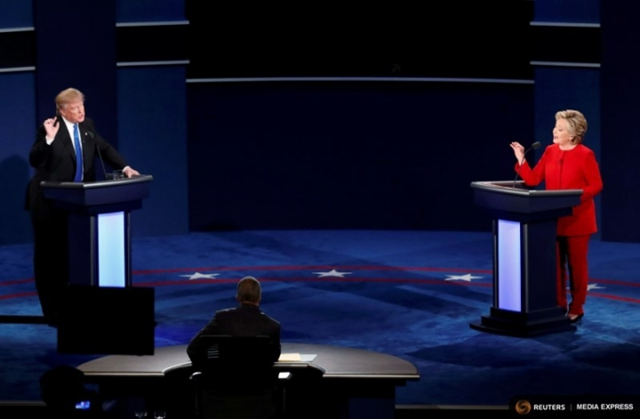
x,y
577,124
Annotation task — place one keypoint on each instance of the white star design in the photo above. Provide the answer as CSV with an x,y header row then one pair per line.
x,y
332,272
198,275
594,286
467,277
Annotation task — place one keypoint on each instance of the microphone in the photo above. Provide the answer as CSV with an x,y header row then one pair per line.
x,y
90,135
533,147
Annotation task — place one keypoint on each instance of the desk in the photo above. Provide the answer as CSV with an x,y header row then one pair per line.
x,y
339,382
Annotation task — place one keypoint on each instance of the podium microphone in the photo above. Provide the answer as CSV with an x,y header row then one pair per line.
x,y
104,171
533,147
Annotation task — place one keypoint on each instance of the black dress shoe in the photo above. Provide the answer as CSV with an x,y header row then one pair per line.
x,y
580,316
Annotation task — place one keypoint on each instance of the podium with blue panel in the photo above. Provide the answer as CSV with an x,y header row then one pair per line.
x,y
524,257
103,313
99,227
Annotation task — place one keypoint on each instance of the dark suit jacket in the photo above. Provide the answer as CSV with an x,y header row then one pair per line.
x,y
245,320
57,162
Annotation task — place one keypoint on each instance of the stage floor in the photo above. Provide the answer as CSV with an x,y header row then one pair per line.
x,y
409,294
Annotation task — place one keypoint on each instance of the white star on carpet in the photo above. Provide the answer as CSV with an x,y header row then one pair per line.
x,y
467,277
333,273
594,286
198,275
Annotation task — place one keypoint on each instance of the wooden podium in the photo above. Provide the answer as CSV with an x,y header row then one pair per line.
x,y
99,227
524,257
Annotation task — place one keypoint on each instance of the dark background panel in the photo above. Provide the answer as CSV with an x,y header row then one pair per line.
x,y
456,39
569,11
569,44
149,10
18,49
152,43
620,110
349,154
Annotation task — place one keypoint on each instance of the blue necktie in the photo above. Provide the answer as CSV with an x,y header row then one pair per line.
x,y
76,142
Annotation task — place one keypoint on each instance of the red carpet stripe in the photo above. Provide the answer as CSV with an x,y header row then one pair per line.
x,y
15,282
18,295
614,297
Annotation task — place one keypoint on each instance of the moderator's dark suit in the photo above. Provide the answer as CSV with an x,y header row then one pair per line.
x,y
238,391
245,320
57,163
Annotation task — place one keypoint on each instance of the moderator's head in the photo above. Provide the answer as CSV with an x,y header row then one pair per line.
x,y
249,290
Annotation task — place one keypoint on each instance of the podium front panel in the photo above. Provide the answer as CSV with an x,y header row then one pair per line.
x,y
111,250
509,274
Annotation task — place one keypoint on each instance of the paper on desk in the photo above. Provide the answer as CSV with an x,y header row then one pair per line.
x,y
293,357
289,357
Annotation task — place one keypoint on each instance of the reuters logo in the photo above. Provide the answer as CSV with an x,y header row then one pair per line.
x,y
523,407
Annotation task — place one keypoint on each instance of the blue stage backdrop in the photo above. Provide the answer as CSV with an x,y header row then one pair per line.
x,y
152,133
17,116
19,121
17,14
620,111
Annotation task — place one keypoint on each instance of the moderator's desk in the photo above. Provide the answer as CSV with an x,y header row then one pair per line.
x,y
339,382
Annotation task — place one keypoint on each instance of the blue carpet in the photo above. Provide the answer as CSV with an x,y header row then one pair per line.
x,y
407,293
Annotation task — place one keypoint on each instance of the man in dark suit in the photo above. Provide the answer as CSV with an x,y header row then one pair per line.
x,y
245,320
64,151
245,389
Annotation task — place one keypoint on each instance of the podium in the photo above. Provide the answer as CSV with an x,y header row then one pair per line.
x,y
101,312
524,257
99,227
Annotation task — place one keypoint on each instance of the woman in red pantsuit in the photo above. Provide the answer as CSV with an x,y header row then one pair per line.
x,y
568,164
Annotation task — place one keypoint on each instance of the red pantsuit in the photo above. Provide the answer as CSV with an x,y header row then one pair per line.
x,y
570,169
572,255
